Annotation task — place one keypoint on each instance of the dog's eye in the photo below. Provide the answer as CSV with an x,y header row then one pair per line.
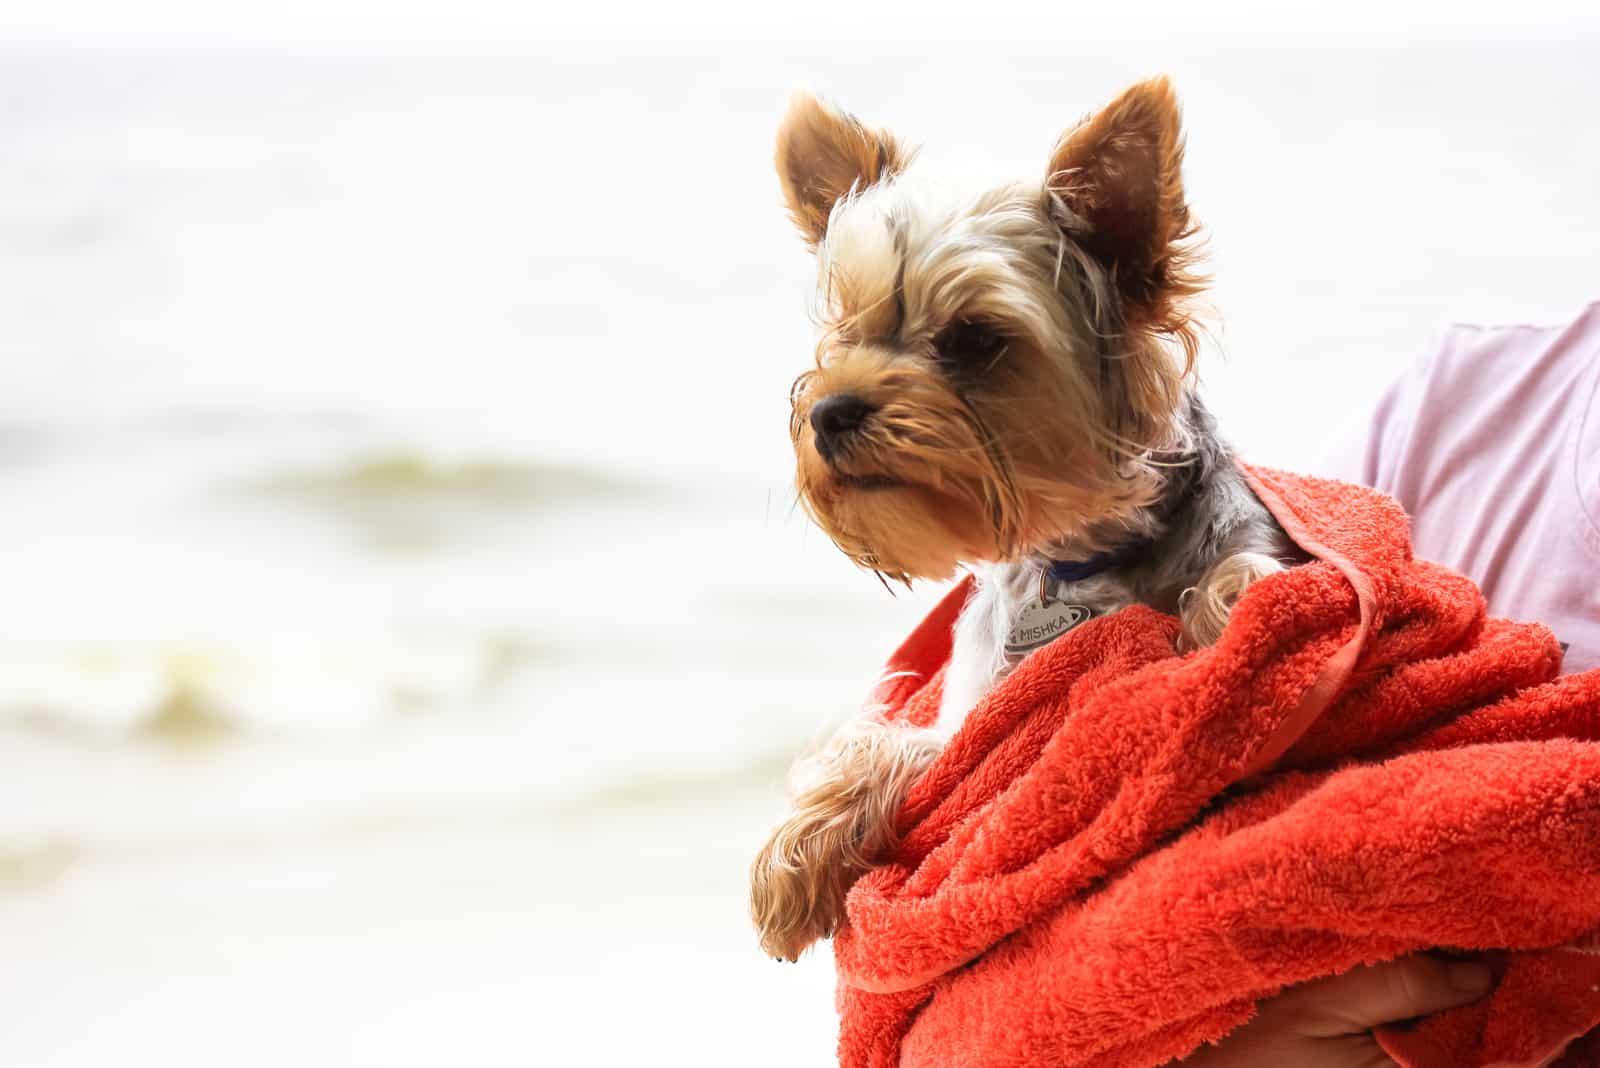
x,y
966,343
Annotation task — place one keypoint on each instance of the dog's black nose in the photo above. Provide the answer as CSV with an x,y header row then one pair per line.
x,y
834,418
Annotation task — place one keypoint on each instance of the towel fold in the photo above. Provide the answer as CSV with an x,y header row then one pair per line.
x,y
1124,849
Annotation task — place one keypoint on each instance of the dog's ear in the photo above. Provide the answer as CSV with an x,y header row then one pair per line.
x,y
823,154
1119,175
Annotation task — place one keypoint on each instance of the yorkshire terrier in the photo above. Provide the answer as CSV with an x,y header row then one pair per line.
x,y
1004,381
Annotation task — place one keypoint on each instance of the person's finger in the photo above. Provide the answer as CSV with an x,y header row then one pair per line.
x,y
1369,997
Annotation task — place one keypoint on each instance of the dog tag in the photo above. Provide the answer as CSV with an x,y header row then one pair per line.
x,y
1041,622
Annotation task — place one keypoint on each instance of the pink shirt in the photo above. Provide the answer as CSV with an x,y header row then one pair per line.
x,y
1492,442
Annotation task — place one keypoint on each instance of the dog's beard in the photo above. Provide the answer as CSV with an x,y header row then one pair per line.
x,y
903,531
920,489
931,483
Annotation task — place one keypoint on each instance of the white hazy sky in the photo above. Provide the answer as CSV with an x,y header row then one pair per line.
x,y
413,23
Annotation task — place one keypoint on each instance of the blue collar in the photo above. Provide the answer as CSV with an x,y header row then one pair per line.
x,y
1178,496
1065,571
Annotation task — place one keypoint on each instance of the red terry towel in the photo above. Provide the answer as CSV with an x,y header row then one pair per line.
x,y
1124,849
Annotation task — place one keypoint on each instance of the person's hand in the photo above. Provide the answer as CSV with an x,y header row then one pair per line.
x,y
1328,1023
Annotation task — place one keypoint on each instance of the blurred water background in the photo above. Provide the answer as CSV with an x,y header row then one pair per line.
x,y
408,619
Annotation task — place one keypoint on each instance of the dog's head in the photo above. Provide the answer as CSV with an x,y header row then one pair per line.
x,y
995,372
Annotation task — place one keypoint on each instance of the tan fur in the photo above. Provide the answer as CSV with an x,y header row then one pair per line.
x,y
1121,172
1022,457
1054,440
1206,607
843,803
823,154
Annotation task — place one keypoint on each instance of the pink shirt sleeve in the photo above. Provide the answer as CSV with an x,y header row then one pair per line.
x,y
1369,452
1491,441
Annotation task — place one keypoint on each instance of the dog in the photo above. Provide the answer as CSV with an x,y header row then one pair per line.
x,y
1004,382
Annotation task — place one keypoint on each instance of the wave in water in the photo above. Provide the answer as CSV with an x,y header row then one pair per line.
x,y
418,478
201,693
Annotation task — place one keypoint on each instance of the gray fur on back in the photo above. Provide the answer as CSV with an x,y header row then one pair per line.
x,y
1206,513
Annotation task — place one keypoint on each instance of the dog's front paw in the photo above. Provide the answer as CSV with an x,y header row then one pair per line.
x,y
844,801
1205,608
